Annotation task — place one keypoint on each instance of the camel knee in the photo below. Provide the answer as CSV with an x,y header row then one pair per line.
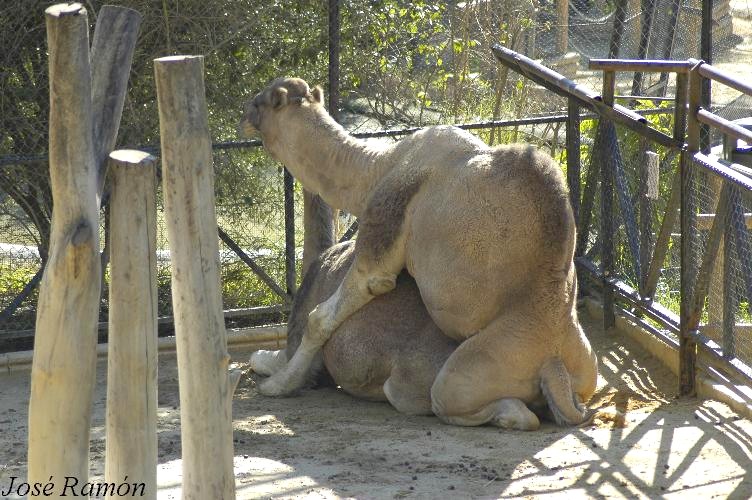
x,y
406,398
453,398
379,285
320,325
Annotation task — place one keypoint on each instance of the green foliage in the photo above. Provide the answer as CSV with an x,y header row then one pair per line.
x,y
410,62
13,277
424,62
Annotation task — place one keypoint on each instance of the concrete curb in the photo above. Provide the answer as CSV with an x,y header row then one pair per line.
x,y
737,396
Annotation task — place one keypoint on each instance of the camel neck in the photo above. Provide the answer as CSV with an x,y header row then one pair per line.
x,y
327,160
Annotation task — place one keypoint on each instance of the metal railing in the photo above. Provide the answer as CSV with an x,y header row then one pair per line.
x,y
709,213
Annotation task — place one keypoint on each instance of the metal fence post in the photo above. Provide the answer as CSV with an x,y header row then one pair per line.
x,y
706,54
617,32
290,275
687,343
607,212
573,155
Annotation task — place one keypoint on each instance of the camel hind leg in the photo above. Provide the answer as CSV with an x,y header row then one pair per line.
x,y
512,362
507,413
409,389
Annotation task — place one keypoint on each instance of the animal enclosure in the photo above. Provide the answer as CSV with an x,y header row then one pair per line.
x,y
683,278
405,74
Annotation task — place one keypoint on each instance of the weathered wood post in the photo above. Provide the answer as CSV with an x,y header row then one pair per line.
x,y
188,184
132,355
63,370
112,49
318,223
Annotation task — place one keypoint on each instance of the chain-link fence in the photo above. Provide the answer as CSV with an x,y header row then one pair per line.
x,y
402,64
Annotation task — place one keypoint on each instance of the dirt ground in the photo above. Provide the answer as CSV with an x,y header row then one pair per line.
x,y
325,444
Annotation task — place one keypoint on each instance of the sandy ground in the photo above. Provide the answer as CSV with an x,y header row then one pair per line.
x,y
325,444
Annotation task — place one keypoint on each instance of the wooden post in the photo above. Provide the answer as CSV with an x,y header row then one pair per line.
x,y
112,50
318,223
132,359
64,365
188,183
687,343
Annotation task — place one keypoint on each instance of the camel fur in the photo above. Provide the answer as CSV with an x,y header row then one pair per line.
x,y
487,233
389,350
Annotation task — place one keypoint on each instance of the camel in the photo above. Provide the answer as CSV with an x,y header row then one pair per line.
x,y
389,350
487,233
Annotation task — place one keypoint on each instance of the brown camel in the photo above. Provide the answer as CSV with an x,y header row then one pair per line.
x,y
389,350
487,233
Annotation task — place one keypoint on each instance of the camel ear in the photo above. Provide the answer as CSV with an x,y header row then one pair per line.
x,y
279,97
318,94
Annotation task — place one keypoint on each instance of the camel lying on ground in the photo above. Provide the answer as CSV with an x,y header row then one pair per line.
x,y
487,233
389,350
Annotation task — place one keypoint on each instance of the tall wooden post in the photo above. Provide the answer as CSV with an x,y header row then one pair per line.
x,y
188,184
112,49
132,359
318,221
63,369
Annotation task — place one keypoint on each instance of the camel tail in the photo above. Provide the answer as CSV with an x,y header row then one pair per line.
x,y
557,389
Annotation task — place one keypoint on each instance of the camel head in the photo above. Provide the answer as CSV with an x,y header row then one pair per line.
x,y
264,113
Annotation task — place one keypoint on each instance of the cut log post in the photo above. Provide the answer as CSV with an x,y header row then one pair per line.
x,y
132,361
188,184
65,350
112,50
318,228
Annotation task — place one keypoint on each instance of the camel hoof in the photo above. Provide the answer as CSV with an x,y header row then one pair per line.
x,y
264,362
272,387
524,424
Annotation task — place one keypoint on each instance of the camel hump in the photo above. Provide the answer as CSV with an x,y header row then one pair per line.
x,y
557,389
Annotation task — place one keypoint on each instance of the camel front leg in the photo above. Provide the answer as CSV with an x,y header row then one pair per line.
x,y
360,285
266,362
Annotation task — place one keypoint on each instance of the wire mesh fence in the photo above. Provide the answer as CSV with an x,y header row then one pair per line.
x,y
403,64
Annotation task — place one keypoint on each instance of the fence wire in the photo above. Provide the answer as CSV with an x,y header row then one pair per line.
x,y
403,64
